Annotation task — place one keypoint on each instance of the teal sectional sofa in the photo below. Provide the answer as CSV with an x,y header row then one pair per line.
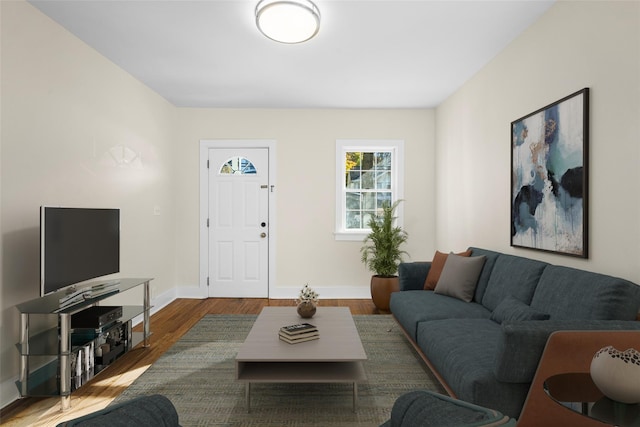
x,y
486,351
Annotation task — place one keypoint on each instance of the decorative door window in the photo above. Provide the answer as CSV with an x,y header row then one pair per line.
x,y
238,166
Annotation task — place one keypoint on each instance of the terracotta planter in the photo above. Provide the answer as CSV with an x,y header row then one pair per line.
x,y
381,289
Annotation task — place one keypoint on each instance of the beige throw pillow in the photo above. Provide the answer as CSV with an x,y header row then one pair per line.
x,y
460,276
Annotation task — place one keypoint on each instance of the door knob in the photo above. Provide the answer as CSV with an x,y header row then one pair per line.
x,y
263,235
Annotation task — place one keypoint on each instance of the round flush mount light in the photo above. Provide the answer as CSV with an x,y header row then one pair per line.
x,y
288,21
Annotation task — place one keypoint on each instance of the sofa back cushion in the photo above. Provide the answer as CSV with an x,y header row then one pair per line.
x,y
515,276
569,293
483,280
511,309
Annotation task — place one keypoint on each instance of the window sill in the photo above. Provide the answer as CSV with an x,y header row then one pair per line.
x,y
350,236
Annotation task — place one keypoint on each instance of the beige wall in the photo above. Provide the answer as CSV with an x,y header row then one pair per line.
x,y
574,45
305,189
64,107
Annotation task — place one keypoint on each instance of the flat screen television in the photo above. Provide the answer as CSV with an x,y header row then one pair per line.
x,y
77,244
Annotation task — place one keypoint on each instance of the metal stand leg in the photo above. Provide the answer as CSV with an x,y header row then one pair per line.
x,y
146,307
24,354
65,360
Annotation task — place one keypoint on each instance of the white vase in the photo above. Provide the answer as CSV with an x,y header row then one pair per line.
x,y
617,374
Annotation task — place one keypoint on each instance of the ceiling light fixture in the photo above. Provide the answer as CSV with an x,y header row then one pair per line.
x,y
288,21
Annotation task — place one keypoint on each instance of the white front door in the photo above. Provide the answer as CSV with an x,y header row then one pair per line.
x,y
238,218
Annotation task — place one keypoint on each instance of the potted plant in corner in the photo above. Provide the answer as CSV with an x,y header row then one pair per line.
x,y
381,253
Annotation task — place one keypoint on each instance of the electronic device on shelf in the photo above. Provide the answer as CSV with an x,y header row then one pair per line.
x,y
77,244
95,317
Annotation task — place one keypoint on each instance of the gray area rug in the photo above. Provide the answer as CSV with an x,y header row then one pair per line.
x,y
198,375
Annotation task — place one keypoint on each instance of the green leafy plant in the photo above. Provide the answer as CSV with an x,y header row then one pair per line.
x,y
381,252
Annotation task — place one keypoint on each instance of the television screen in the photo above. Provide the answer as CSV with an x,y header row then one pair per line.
x,y
77,244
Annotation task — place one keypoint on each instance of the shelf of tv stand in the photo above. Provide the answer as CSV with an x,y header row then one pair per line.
x,y
50,355
45,343
50,304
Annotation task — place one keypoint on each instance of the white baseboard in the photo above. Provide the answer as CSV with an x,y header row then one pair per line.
x,y
327,292
288,292
9,392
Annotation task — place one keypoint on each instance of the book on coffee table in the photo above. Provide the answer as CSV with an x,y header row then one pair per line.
x,y
299,338
298,328
299,332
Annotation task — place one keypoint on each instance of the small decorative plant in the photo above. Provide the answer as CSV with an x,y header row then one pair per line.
x,y
307,301
307,294
381,252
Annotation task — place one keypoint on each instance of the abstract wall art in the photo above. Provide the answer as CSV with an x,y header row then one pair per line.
x,y
549,153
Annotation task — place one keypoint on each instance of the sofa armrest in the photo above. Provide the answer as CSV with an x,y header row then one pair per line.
x,y
522,342
422,408
412,275
153,411
567,352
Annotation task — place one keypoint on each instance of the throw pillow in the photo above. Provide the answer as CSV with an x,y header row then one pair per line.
x,y
460,276
435,270
511,308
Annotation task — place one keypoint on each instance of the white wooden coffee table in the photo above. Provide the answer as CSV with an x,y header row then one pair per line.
x,y
337,357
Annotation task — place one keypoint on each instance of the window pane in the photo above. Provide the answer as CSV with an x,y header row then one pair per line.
x,y
383,180
383,160
353,201
238,166
352,160
353,179
368,180
369,201
366,217
367,161
353,219
384,199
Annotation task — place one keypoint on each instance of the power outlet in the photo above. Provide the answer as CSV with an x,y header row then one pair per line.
x,y
156,210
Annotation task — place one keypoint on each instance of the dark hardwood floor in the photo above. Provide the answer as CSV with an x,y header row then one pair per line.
x,y
167,326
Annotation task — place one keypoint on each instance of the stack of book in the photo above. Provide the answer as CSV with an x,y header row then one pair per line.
x,y
299,332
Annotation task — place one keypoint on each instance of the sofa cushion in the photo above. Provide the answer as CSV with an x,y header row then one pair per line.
x,y
515,276
423,408
411,275
437,265
411,307
483,280
514,309
154,410
463,351
460,276
569,293
521,343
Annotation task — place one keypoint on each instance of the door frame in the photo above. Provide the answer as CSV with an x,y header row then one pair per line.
x,y
205,146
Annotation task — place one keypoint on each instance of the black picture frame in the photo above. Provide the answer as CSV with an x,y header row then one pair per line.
x,y
549,177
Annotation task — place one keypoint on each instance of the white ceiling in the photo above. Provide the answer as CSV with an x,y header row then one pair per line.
x,y
368,54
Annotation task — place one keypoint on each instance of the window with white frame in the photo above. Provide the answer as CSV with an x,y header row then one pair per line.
x,y
368,177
